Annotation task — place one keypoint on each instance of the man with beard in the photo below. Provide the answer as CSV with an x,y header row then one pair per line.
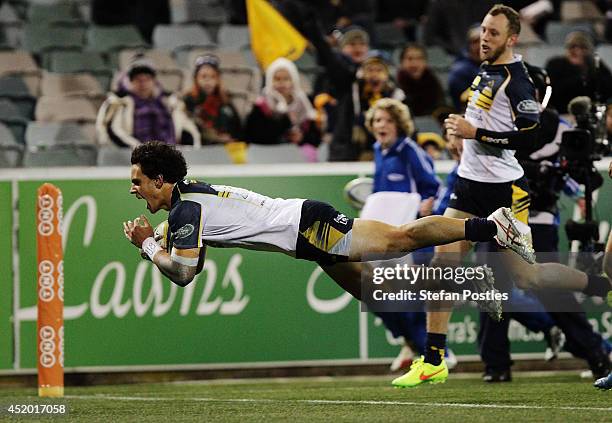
x,y
502,116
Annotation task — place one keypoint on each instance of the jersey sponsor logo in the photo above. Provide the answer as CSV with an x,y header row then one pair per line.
x,y
496,140
528,106
341,219
184,231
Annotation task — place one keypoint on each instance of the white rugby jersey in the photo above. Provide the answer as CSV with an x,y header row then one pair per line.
x,y
223,216
500,94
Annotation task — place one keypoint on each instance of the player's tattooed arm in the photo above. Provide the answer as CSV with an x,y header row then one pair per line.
x,y
180,266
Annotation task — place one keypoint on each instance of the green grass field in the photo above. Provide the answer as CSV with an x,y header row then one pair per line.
x,y
550,398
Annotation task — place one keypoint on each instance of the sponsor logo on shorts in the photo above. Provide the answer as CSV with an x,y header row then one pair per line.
x,y
341,219
184,232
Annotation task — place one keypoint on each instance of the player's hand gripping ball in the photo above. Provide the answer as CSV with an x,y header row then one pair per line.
x,y
161,235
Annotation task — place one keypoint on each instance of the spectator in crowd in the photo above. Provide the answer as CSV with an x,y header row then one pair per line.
x,y
448,21
140,111
354,44
424,92
405,15
575,73
209,103
237,12
144,14
373,83
465,69
283,113
397,154
355,89
433,144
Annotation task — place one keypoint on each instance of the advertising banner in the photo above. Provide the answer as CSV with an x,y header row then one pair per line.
x,y
245,306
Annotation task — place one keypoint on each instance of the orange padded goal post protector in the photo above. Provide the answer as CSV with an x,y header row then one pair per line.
x,y
50,292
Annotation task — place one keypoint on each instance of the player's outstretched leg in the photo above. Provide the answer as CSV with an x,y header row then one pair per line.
x,y
373,237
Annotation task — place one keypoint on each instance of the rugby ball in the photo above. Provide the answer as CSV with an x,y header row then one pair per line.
x,y
357,191
161,235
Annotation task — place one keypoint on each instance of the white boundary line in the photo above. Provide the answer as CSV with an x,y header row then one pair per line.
x,y
338,402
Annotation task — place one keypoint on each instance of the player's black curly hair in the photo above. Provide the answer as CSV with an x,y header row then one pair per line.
x,y
157,158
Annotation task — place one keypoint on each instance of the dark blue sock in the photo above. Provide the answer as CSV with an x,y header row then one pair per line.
x,y
479,229
597,286
434,351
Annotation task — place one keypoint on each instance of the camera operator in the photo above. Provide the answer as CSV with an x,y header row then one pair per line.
x,y
577,72
546,182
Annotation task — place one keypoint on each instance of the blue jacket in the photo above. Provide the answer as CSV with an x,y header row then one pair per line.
x,y
442,201
405,167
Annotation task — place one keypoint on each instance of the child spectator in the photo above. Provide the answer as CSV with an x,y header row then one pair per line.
x,y
140,111
209,103
283,113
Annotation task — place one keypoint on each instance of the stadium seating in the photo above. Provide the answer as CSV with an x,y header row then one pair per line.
x,y
605,53
427,124
206,11
171,80
40,134
238,81
17,90
59,85
8,16
176,37
211,154
162,59
307,61
233,37
59,144
65,109
17,63
11,151
59,12
388,36
269,154
13,117
577,10
75,61
113,38
557,31
112,155
40,38
539,55
438,59
229,59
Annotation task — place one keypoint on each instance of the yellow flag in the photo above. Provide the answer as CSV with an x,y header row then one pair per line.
x,y
272,36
